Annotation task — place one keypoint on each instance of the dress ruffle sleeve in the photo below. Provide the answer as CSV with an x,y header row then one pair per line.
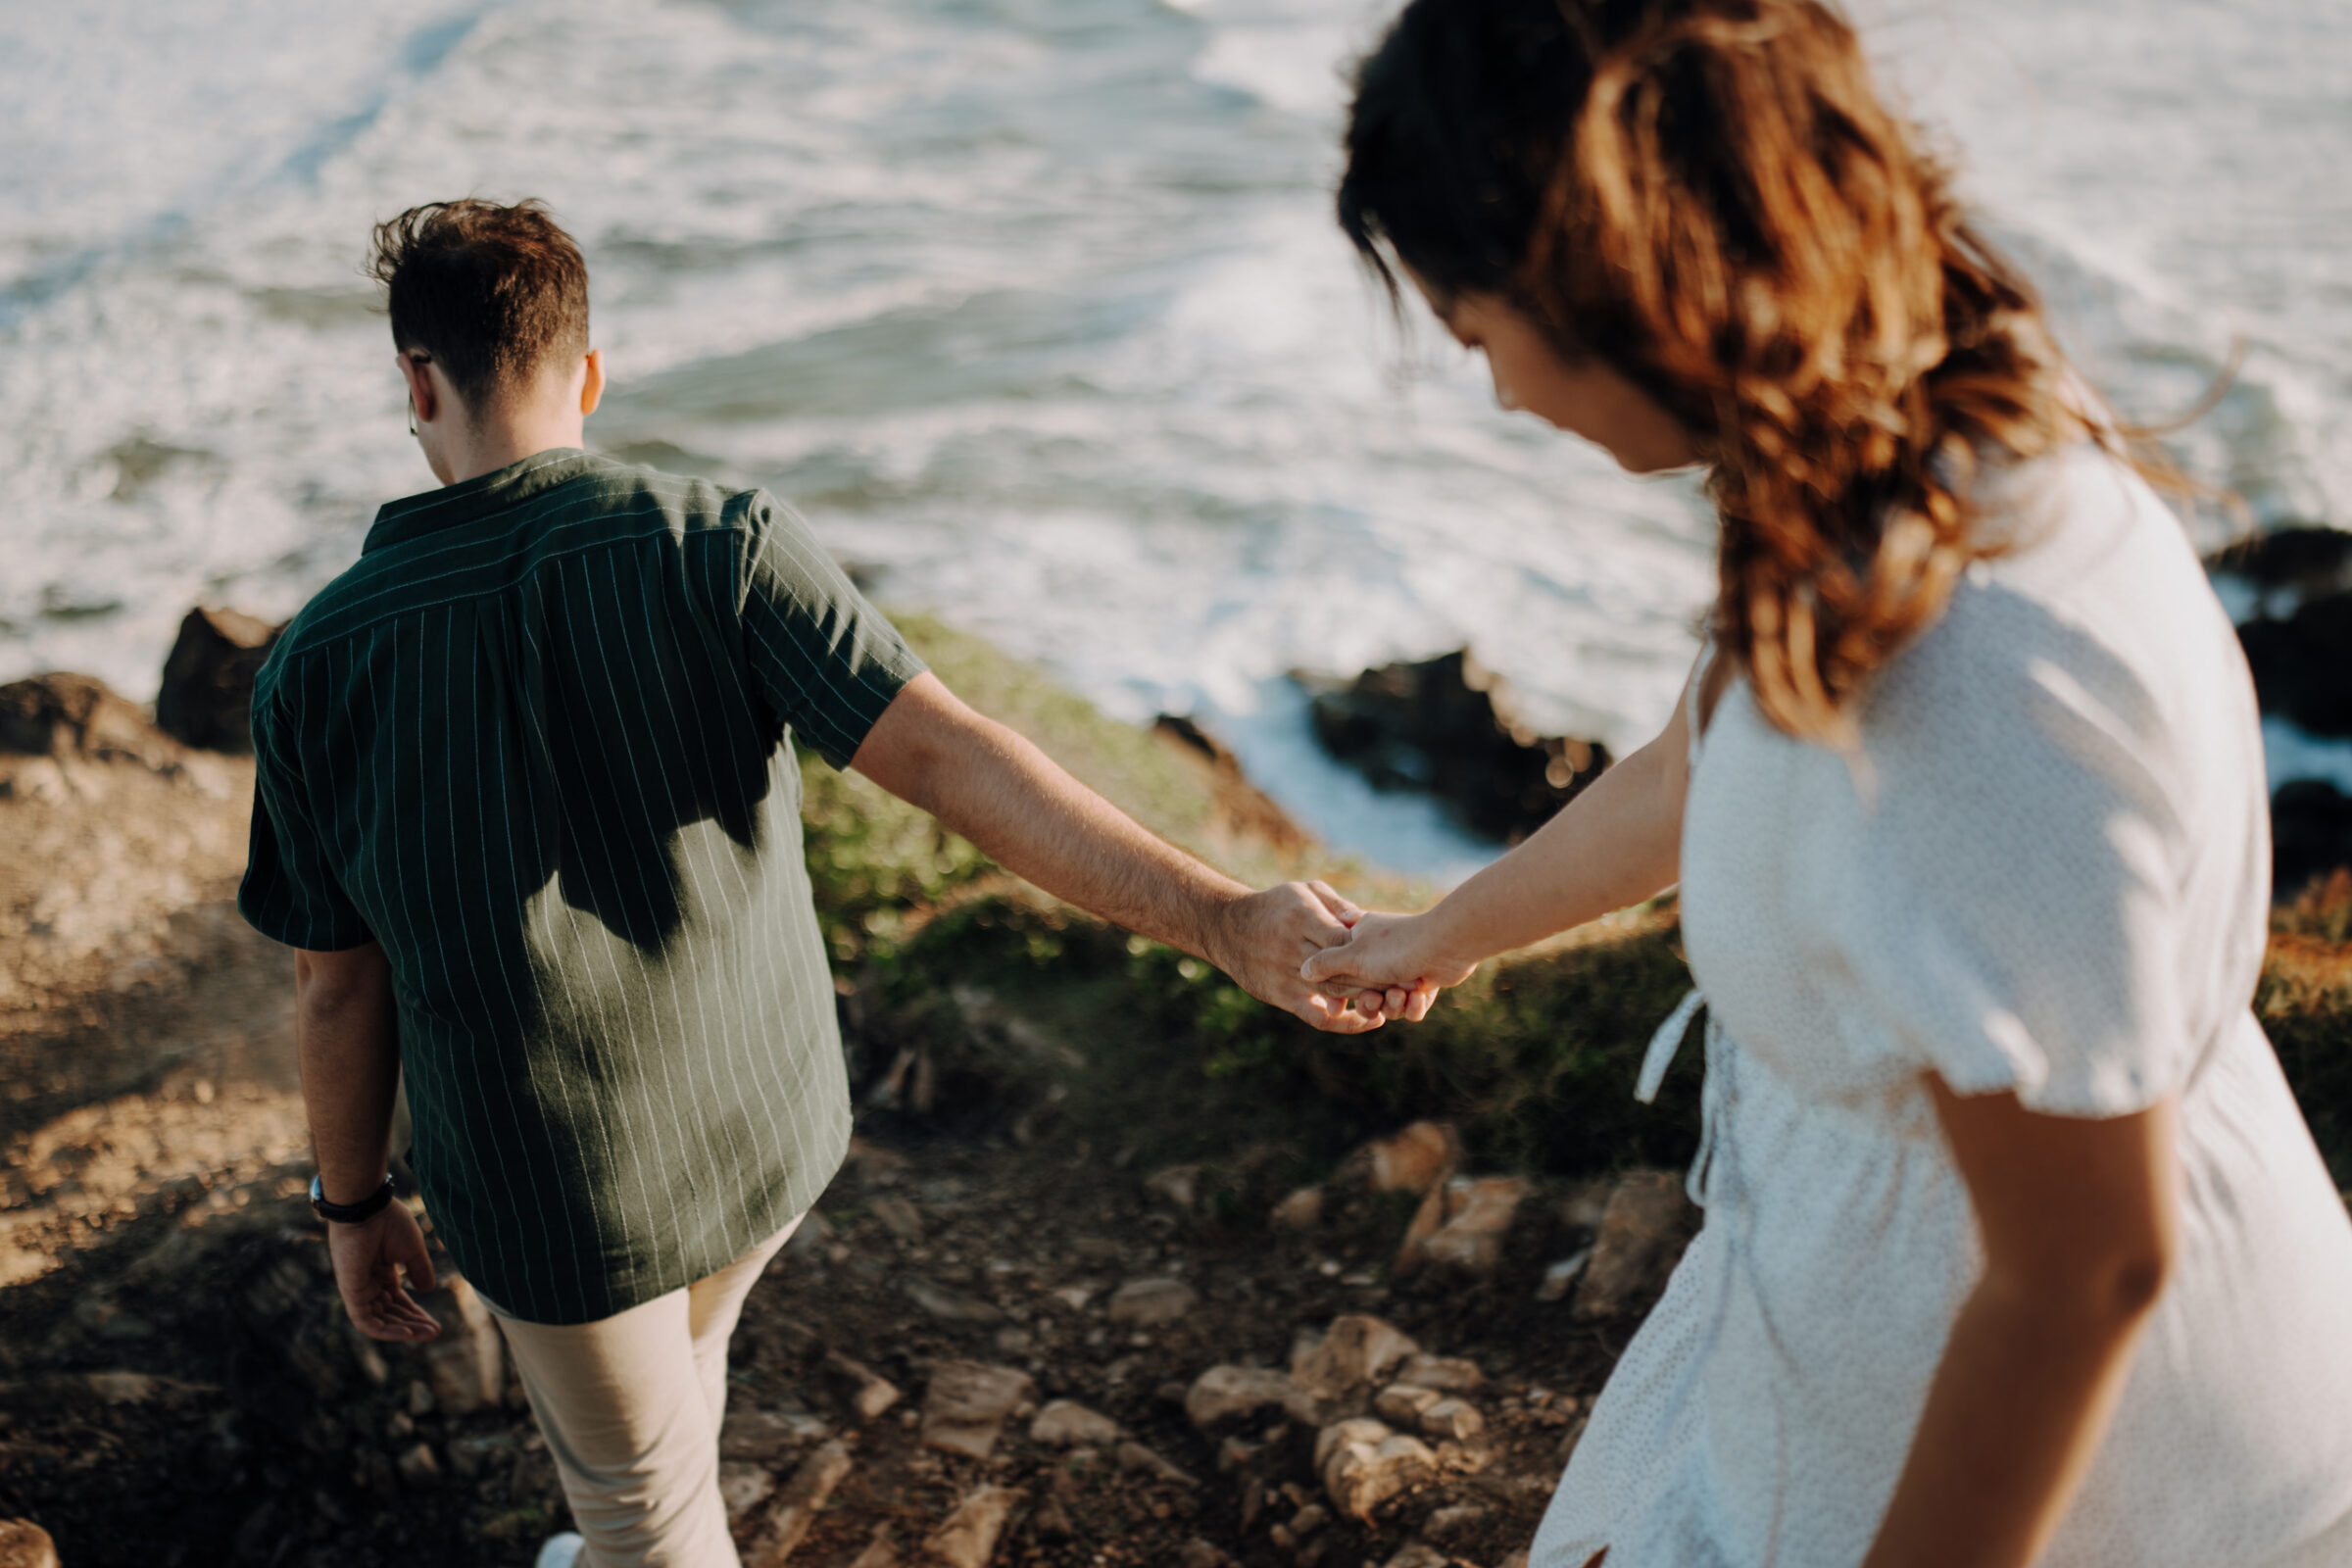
x,y
2008,910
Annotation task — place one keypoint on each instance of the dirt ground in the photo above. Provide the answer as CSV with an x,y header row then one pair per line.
x,y
177,1386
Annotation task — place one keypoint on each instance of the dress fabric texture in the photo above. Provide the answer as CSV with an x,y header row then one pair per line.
x,y
2044,869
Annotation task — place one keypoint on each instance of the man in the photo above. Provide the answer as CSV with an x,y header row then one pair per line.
x,y
528,810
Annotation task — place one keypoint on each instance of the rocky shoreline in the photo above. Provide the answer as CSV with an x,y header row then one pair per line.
x,y
1123,1269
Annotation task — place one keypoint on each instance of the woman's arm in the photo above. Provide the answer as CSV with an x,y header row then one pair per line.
x,y
1617,843
2078,1219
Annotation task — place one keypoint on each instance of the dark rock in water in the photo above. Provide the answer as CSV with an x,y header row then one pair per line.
x,y
207,695
2289,566
1446,725
2311,834
1245,811
2303,665
78,716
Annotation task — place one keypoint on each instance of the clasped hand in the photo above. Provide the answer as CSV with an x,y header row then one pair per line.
x,y
1306,950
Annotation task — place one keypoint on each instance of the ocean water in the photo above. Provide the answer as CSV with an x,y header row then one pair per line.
x,y
1035,307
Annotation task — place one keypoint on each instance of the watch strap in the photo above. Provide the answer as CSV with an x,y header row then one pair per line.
x,y
366,1209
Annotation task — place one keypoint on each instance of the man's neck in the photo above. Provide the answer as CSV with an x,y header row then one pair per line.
x,y
495,444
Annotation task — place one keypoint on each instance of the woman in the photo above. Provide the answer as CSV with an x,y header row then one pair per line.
x,y
2017,1248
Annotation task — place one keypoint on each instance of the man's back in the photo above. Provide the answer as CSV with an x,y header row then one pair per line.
x,y
531,744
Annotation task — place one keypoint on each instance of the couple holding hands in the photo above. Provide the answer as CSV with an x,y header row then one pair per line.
x,y
2016,1250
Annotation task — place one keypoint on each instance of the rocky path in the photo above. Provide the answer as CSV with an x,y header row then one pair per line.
x,y
979,1350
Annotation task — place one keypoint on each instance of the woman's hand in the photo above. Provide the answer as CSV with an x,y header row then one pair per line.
x,y
1397,957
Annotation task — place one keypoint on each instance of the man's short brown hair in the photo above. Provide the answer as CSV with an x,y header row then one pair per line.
x,y
487,292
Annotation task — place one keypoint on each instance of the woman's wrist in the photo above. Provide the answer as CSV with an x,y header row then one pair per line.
x,y
1445,948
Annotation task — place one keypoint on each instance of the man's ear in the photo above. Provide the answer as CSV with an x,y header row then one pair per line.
x,y
421,391
592,384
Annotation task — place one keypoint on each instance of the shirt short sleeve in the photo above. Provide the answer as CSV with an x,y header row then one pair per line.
x,y
2006,901
826,660
290,893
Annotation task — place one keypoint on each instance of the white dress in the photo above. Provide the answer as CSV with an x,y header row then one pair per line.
x,y
2047,871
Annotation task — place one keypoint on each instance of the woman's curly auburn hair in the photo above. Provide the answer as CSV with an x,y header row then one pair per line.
x,y
1709,196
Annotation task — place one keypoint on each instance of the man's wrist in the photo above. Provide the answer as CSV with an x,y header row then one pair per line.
x,y
358,1212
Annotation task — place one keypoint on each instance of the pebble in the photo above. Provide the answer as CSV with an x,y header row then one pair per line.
x,y
1447,1373
864,1391
1067,1424
1403,1402
418,1466
743,1486
1641,1235
1461,1225
1559,1277
466,1364
969,1538
949,1306
796,1504
1356,1350
25,1544
1452,1420
1416,1159
1364,1464
1454,1519
900,1217
1417,1554
1137,1459
1153,1302
1233,1392
1302,1210
966,1405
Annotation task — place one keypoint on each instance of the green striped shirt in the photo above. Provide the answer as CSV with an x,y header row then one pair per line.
x,y
536,744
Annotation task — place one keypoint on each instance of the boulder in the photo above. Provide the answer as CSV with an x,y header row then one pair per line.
x,y
1642,1232
2311,834
63,715
2287,565
206,699
966,1407
1245,814
1448,726
2302,664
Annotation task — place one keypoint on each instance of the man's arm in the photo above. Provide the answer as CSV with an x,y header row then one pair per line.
x,y
990,784
347,1040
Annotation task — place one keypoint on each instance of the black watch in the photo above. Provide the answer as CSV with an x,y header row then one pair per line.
x,y
350,1213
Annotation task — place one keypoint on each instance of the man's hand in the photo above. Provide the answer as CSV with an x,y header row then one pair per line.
x,y
1263,940
369,1260
1390,957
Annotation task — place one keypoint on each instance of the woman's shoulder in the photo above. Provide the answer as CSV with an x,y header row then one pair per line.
x,y
2093,583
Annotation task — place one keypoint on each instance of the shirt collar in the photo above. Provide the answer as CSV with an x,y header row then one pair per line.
x,y
473,500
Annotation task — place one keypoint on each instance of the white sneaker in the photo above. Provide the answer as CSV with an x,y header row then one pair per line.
x,y
560,1551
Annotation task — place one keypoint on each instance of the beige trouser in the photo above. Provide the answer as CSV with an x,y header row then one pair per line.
x,y
631,1407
